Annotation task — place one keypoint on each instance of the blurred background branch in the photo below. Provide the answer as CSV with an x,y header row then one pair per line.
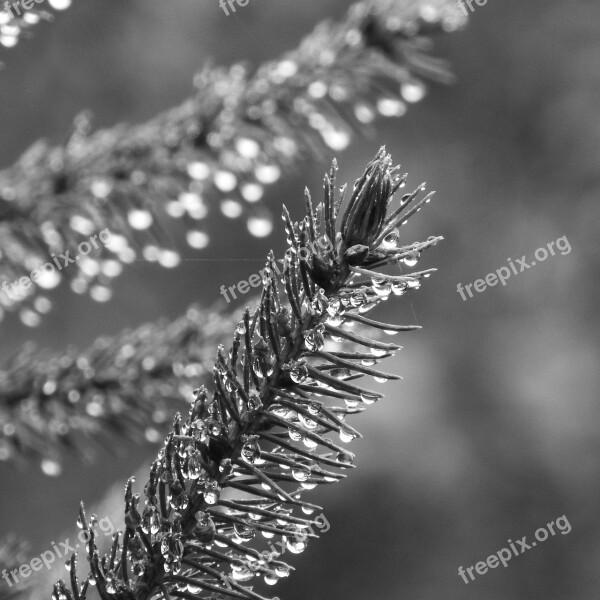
x,y
221,147
121,389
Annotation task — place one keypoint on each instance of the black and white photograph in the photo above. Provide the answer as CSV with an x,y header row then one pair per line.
x,y
299,299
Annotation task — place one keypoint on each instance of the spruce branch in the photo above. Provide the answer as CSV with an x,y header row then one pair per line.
x,y
222,146
17,24
242,460
129,385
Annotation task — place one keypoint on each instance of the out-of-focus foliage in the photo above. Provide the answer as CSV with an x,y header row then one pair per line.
x,y
223,146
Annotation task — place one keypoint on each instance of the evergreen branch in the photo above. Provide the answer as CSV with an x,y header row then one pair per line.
x,y
224,145
241,461
16,22
129,386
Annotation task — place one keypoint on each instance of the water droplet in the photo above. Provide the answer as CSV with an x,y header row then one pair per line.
x,y
111,268
140,219
340,373
89,266
337,139
412,259
101,187
193,465
150,521
197,239
299,374
49,279
346,436
60,4
314,339
51,467
29,317
390,241
296,436
81,225
31,18
367,307
241,573
300,473
267,174
368,399
212,494
364,113
399,287
174,209
378,352
192,588
6,450
42,304
257,366
252,192
345,459
260,226
358,299
317,89
382,287
193,204
198,170
334,307
231,208
250,451
391,107
295,546
314,409
308,423
286,68
282,571
309,442
244,532
100,293
248,148
413,91
226,181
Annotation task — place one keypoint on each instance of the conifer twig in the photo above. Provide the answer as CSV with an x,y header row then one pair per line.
x,y
15,24
241,461
222,146
129,385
